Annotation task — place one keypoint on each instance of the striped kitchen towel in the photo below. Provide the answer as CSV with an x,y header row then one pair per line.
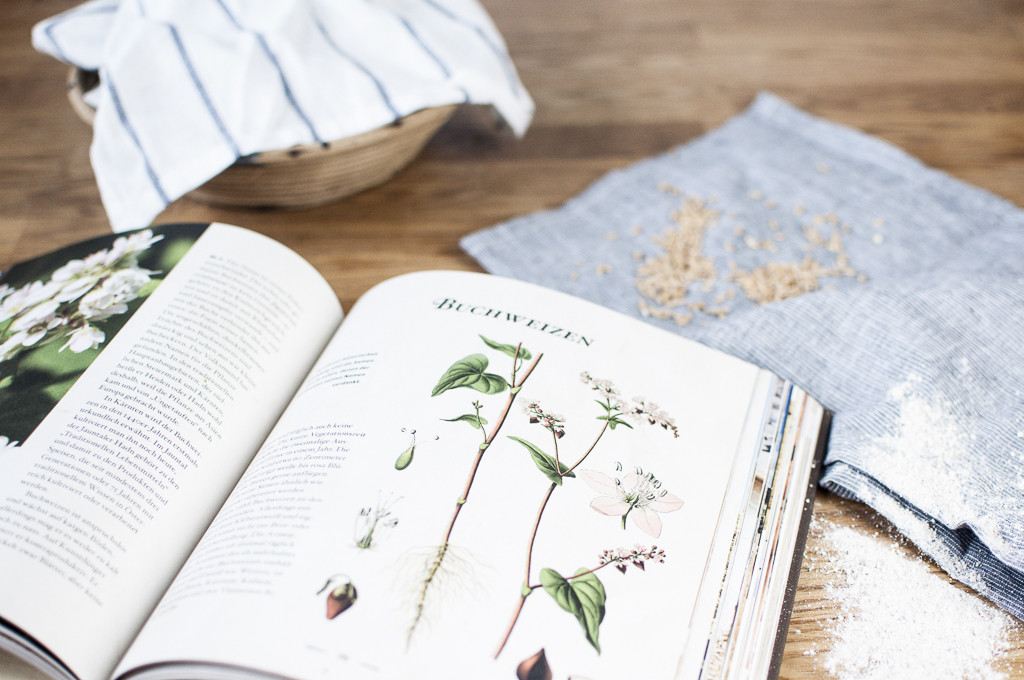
x,y
190,86
891,292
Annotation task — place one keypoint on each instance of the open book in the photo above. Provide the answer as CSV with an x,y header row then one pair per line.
x,y
205,474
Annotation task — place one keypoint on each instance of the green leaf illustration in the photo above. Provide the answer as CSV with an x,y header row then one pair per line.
x,y
613,421
582,596
470,372
546,463
474,420
405,459
510,350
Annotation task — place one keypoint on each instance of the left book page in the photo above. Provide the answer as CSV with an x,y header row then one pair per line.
x,y
138,376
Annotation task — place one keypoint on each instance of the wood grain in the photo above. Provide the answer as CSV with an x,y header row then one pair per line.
x,y
614,81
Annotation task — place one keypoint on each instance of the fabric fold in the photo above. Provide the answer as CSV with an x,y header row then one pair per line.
x,y
188,87
910,331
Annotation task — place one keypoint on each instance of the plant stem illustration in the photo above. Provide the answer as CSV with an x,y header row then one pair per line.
x,y
582,594
637,494
471,372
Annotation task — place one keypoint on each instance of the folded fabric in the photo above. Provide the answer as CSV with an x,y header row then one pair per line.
x,y
190,86
909,327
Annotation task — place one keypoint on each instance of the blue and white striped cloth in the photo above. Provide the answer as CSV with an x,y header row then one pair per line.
x,y
189,86
921,357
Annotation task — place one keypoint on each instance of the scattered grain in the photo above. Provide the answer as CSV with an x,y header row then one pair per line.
x,y
666,278
835,243
611,236
638,255
798,210
727,295
813,236
770,204
603,269
663,313
574,276
777,281
878,223
636,230
823,168
877,239
756,195
668,189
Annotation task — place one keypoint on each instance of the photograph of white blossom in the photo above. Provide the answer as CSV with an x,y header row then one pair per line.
x,y
58,312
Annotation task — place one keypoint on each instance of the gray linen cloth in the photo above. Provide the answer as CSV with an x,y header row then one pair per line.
x,y
915,343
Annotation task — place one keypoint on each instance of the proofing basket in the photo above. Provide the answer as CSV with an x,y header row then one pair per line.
x,y
308,175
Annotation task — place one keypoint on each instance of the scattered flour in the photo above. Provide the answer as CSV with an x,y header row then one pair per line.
x,y
926,456
898,619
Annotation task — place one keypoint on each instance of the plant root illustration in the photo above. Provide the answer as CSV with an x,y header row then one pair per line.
x,y
637,494
341,597
472,373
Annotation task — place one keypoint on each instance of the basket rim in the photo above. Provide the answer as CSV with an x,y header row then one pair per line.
x,y
77,78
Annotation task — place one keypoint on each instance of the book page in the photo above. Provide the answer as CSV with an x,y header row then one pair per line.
x,y
102,503
478,475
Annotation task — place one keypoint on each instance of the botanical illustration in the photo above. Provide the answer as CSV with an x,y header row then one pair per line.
x,y
404,459
341,597
373,521
472,373
638,494
58,312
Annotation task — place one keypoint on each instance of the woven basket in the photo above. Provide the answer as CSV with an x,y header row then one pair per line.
x,y
303,176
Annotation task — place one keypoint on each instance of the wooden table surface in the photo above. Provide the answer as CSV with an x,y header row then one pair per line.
x,y
614,81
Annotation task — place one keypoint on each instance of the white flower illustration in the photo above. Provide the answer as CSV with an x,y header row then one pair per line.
x,y
636,494
605,389
551,421
6,444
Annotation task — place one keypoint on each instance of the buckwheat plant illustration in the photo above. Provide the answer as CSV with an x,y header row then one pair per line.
x,y
472,373
638,493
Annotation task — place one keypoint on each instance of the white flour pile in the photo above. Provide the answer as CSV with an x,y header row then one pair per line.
x,y
927,455
897,619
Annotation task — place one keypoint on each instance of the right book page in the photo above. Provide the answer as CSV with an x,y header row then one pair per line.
x,y
478,477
